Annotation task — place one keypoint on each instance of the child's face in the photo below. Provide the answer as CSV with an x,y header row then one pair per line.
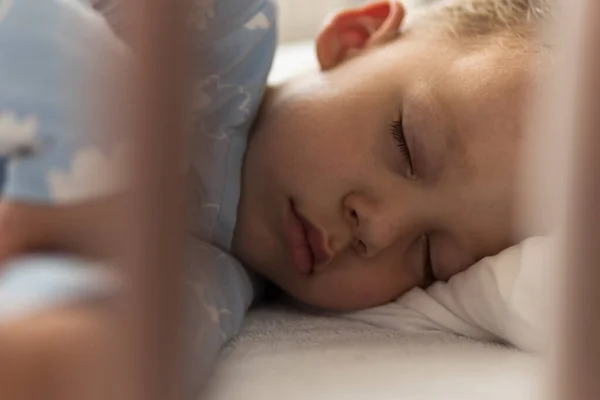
x,y
325,151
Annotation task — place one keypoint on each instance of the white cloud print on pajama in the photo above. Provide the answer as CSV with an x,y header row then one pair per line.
x,y
41,76
17,136
92,173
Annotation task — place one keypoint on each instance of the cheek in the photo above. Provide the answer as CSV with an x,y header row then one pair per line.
x,y
494,140
357,285
311,153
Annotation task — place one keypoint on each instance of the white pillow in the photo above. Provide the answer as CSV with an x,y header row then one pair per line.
x,y
503,298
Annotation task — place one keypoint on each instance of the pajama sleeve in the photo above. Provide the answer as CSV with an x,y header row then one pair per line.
x,y
234,50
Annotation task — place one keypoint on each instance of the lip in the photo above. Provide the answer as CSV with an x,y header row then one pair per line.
x,y
306,242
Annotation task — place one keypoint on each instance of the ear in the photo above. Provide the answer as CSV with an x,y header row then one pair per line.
x,y
358,28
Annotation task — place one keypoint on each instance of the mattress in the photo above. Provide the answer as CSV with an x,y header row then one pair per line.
x,y
283,353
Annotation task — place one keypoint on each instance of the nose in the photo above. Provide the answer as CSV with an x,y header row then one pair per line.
x,y
374,226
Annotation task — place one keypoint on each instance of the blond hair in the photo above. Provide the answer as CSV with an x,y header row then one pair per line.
x,y
481,19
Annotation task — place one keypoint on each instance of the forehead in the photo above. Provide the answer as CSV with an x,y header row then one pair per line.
x,y
463,86
486,90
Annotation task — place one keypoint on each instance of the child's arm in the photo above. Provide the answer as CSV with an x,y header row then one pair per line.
x,y
44,62
65,354
82,229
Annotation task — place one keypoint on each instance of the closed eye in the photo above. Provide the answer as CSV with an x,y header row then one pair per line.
x,y
428,273
397,132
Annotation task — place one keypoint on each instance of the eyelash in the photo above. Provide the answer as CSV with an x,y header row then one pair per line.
x,y
429,275
397,132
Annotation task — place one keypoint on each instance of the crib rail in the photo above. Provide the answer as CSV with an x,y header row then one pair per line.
x,y
578,361
155,30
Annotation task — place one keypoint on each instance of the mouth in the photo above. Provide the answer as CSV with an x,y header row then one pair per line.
x,y
306,243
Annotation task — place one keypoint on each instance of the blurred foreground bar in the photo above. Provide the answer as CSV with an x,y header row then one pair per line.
x,y
578,365
155,29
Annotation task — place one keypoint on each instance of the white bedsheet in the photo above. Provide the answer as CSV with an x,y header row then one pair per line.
x,y
283,354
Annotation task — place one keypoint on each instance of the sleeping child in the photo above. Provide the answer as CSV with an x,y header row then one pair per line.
x,y
391,167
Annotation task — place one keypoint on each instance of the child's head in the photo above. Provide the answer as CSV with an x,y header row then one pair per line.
x,y
336,207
